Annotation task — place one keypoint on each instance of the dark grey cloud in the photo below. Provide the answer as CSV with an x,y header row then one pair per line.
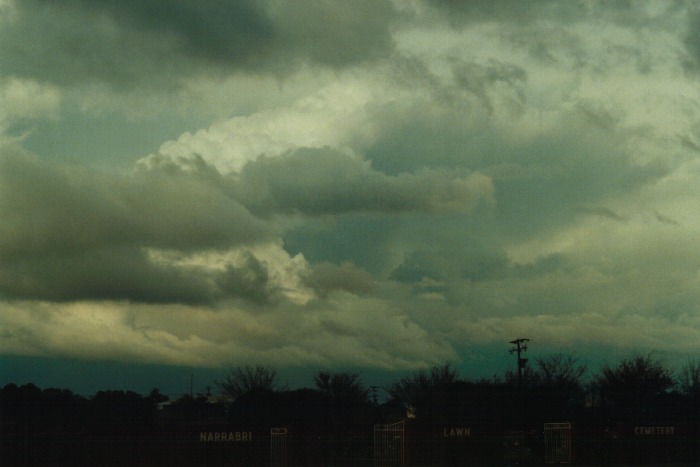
x,y
217,30
129,274
552,263
250,281
72,233
102,274
602,211
692,41
556,175
326,277
463,12
466,11
477,79
538,182
325,181
47,207
162,41
472,260
335,33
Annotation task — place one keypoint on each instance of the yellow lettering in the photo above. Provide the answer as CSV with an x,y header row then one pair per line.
x,y
227,436
654,430
461,432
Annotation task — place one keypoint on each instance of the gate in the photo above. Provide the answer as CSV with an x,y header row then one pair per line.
x,y
557,443
278,447
389,445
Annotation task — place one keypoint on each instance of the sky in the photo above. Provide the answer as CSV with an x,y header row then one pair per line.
x,y
375,186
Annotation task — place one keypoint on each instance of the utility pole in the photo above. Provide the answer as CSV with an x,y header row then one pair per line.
x,y
520,346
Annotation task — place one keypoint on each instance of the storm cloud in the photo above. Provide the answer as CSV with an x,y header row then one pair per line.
x,y
370,184
321,181
73,233
133,43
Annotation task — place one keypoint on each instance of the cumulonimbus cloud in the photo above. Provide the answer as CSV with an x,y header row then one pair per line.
x,y
345,224
318,181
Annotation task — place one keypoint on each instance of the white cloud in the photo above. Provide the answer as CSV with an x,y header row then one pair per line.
x,y
334,116
22,101
285,273
349,332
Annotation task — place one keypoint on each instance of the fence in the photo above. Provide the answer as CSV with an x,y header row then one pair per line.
x,y
557,443
278,447
389,445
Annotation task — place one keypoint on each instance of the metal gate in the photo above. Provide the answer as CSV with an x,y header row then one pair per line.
x,y
557,443
389,445
278,447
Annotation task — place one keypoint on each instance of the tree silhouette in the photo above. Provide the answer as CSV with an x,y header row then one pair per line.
x,y
247,379
632,385
421,390
156,397
557,389
346,409
689,378
560,371
342,387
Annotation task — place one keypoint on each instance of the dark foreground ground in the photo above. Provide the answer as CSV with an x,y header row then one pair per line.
x,y
175,452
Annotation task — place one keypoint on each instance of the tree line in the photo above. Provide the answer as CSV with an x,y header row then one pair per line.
x,y
557,386
333,418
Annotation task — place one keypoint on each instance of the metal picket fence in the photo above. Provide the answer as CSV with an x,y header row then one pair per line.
x,y
389,445
557,443
278,447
